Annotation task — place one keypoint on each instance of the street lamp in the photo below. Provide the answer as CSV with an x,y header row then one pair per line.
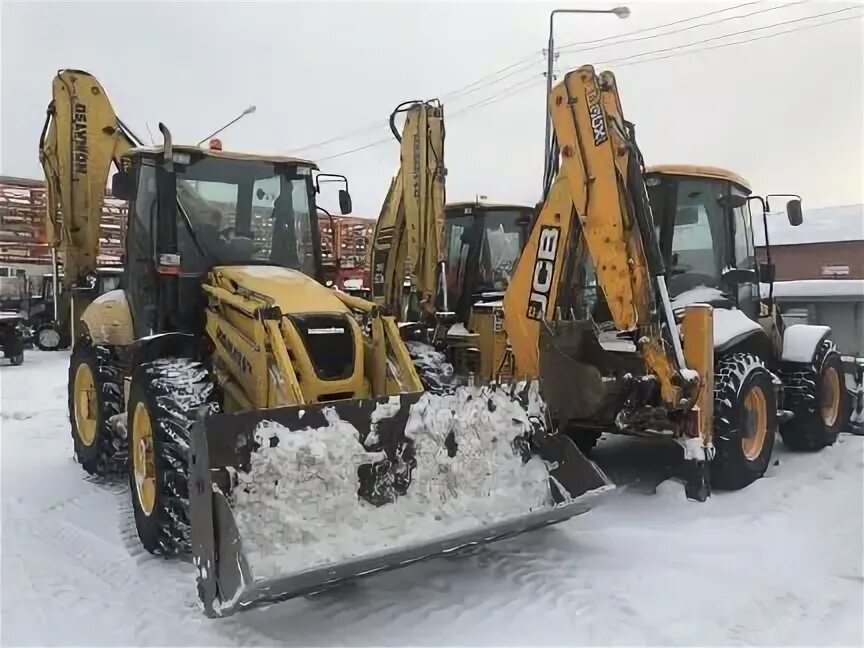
x,y
248,111
621,12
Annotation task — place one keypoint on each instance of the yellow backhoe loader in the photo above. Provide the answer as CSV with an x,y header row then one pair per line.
x,y
637,302
275,428
441,268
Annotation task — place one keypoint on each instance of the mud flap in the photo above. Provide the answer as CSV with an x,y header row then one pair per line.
x,y
225,447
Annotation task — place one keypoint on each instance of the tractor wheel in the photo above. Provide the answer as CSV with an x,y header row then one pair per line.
x,y
164,400
47,337
745,421
13,350
816,394
95,395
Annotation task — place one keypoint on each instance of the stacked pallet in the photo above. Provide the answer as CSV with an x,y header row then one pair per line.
x,y
346,240
23,231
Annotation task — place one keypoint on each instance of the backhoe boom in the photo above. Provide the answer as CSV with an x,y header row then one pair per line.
x,y
409,235
598,200
81,138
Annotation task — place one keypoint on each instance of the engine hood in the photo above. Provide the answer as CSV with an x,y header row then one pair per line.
x,y
291,290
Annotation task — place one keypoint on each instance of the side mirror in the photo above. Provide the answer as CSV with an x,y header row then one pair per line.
x,y
793,212
767,272
121,185
344,201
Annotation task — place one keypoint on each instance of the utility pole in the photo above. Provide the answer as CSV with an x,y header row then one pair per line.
x,y
621,12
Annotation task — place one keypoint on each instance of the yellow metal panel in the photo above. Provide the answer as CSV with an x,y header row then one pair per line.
x,y
532,293
287,375
698,331
245,362
290,290
400,365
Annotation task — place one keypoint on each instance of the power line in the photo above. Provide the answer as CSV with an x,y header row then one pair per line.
x,y
742,42
678,31
669,24
509,91
486,80
715,38
526,84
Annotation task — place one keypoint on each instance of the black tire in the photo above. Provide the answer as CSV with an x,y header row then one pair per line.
x,y
47,337
735,377
171,390
809,430
108,447
13,350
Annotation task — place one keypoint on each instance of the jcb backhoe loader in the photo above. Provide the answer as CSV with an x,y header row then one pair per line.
x,y
639,306
276,428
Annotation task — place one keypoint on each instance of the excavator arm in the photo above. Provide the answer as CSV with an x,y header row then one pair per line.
x,y
81,138
597,200
409,235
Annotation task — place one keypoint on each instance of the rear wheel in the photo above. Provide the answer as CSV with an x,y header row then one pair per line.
x,y
94,396
745,421
164,401
816,394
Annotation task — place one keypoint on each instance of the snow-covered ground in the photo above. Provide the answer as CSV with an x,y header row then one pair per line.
x,y
778,563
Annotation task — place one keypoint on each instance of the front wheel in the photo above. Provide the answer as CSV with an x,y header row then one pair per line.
x,y
164,399
745,421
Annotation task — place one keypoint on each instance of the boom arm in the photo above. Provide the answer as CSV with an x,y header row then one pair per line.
x,y
81,138
599,192
409,234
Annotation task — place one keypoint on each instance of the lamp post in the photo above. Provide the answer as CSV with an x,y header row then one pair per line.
x,y
621,12
248,111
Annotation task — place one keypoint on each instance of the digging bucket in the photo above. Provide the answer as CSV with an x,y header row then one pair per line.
x,y
292,501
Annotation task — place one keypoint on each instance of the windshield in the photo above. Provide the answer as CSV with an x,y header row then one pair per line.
x,y
245,211
697,253
502,243
487,243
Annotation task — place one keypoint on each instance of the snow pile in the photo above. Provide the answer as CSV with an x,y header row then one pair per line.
x,y
298,506
698,295
815,288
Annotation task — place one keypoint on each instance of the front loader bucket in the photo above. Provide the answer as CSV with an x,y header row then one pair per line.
x,y
293,500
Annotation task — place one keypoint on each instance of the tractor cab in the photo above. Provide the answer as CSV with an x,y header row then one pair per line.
x,y
193,209
706,231
483,242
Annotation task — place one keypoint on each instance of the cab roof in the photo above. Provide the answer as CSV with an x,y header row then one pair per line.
x,y
698,171
227,155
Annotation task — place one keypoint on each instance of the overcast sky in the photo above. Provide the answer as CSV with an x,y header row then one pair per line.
x,y
786,112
